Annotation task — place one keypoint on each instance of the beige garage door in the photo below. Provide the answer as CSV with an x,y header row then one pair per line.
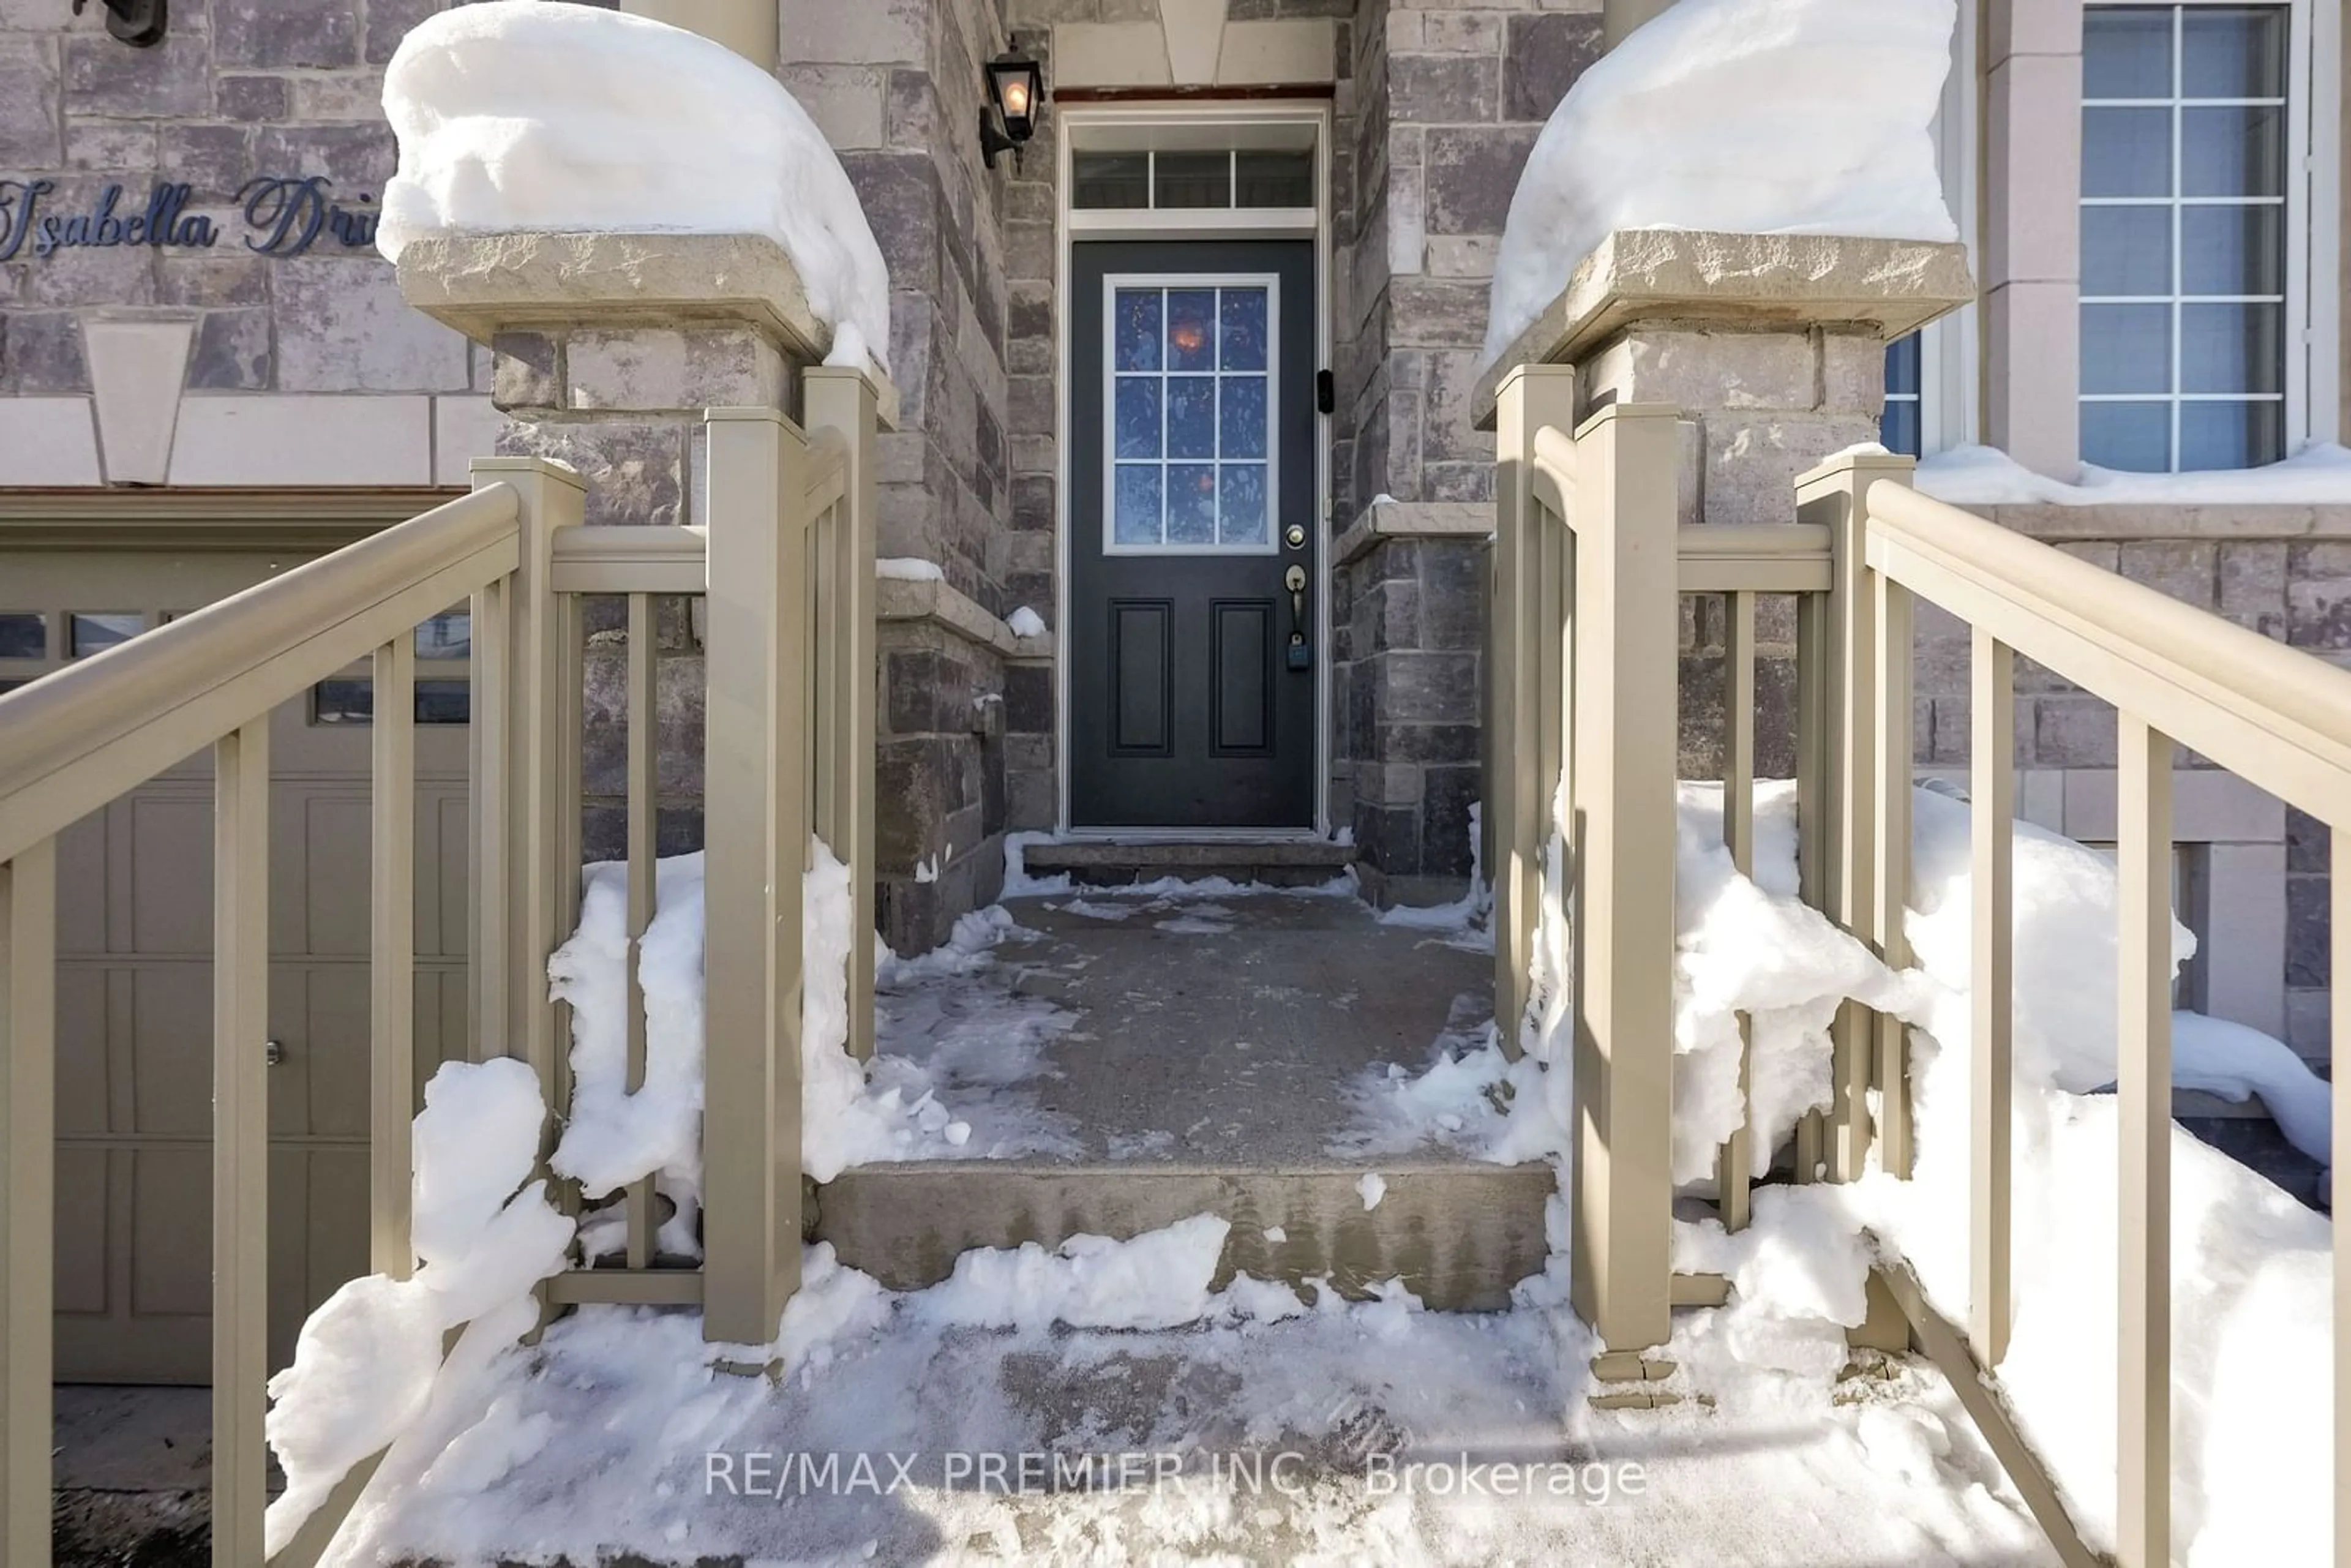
x,y
134,1008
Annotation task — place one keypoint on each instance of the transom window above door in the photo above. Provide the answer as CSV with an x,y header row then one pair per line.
x,y
1259,179
1189,424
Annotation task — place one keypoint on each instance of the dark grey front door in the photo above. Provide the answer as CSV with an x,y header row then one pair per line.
x,y
1193,656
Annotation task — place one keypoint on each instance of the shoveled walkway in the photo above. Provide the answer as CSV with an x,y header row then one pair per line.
x,y
1210,1051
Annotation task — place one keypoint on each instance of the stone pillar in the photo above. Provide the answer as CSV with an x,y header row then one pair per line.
x,y
745,26
1773,347
606,349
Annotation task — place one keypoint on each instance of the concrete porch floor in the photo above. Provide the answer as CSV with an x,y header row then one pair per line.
x,y
1212,1042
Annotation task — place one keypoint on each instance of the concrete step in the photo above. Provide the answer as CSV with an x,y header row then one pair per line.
x,y
1107,863
1458,1233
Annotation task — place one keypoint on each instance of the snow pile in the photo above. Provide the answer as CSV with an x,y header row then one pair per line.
x,y
1743,116
1027,623
366,1363
615,1136
1155,1280
909,569
516,115
2318,475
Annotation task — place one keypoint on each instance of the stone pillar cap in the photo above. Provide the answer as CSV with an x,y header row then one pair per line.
x,y
484,284
1753,281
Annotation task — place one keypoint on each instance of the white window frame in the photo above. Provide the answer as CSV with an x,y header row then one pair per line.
x,y
2313,215
1951,351
1271,282
1206,124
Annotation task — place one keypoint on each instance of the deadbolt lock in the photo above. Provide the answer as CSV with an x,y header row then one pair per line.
x,y
1295,537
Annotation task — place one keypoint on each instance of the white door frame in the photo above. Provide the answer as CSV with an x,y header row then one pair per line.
x,y
1136,127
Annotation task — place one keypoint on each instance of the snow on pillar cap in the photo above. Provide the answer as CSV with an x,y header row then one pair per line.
x,y
554,127
1733,117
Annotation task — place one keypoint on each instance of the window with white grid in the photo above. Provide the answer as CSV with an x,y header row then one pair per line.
x,y
2188,234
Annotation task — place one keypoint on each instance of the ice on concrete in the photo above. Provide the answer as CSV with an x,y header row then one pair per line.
x,y
1744,116
2318,475
516,115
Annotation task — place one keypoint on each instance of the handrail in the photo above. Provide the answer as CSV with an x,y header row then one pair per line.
x,y
102,726
2214,677
1754,558
828,475
1553,472
626,558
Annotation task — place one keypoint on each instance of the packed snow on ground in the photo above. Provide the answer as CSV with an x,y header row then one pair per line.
x,y
1744,116
995,1417
366,1364
515,115
2318,475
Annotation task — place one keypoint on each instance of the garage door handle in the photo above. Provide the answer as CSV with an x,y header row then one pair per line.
x,y
273,1052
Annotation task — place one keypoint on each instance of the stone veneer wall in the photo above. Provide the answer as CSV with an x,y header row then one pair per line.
x,y
1451,100
896,86
238,89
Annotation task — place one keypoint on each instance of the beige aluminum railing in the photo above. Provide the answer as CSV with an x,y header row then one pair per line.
x,y
787,568
1590,567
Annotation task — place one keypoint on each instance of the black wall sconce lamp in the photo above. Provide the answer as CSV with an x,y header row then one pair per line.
x,y
1016,86
139,23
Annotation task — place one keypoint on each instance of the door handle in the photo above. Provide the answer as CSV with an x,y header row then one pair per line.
x,y
1294,580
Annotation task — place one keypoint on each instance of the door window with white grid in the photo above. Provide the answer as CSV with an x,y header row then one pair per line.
x,y
1190,415
2188,232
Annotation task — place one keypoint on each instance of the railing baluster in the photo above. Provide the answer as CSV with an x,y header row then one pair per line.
x,y
644,746
1991,835
2143,1078
1734,1171
2339,1007
1890,771
392,960
490,751
240,1140
29,1055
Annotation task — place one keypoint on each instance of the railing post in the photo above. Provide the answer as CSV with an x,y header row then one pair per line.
x,y
1529,397
2143,1085
845,401
28,1056
539,889
1834,494
240,1140
1627,665
755,802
